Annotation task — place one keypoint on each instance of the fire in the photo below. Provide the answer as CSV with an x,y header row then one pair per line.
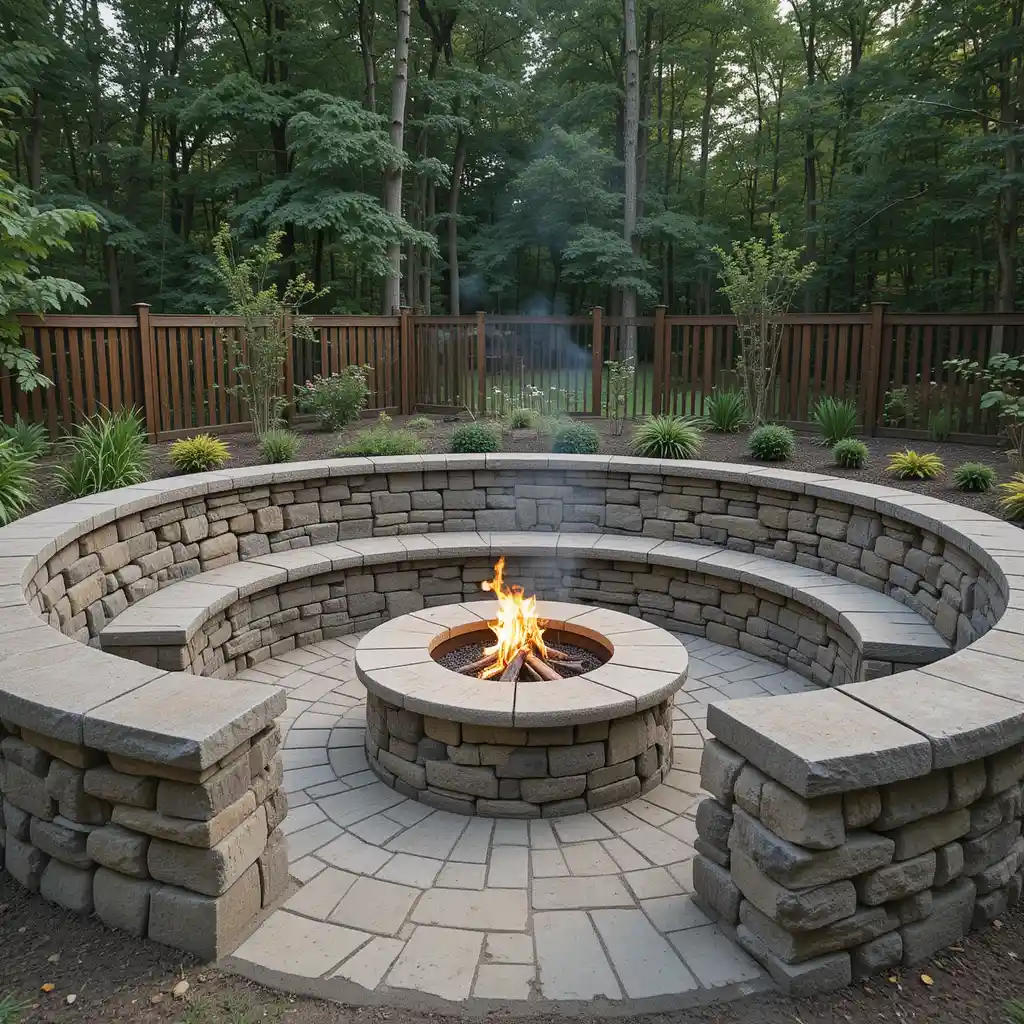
x,y
517,627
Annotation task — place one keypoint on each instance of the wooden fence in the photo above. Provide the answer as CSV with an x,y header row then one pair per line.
x,y
180,371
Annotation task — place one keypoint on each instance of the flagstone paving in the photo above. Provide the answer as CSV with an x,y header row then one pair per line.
x,y
403,900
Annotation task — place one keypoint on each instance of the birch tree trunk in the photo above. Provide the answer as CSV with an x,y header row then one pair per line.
x,y
393,182
630,132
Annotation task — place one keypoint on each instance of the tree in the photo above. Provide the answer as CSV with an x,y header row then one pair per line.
x,y
631,129
393,179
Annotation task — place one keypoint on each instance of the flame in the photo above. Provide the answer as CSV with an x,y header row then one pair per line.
x,y
517,626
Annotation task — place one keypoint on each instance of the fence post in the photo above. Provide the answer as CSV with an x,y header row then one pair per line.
x,y
149,389
481,361
405,347
659,360
597,360
873,374
288,326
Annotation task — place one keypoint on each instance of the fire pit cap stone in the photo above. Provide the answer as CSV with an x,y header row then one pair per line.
x,y
647,665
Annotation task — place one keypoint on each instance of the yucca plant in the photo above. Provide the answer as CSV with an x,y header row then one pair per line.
x,y
105,451
772,443
474,437
29,437
199,454
909,465
850,453
1012,501
16,482
836,419
576,439
279,445
668,437
974,476
727,411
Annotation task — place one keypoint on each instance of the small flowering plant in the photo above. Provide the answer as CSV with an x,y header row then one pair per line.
x,y
338,399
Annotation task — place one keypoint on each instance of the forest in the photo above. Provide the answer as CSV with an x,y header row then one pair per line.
x,y
525,156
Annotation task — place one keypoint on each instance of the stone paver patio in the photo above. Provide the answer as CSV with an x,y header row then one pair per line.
x,y
404,900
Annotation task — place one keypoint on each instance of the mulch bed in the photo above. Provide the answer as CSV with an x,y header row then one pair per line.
x,y
732,448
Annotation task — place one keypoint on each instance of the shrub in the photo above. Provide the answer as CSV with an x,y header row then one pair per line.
x,y
727,411
974,476
474,437
279,445
836,419
107,450
850,453
940,425
420,423
29,437
772,443
620,386
522,419
909,465
16,482
668,437
1012,501
199,454
576,439
900,408
382,440
337,400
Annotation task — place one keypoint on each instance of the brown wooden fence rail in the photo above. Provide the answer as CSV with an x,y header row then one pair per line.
x,y
180,370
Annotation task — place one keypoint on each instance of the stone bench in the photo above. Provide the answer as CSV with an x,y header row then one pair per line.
x,y
222,620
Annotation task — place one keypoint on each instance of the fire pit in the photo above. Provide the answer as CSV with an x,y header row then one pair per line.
x,y
522,708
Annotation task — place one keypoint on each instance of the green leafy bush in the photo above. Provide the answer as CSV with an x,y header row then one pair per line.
x,y
974,476
727,411
850,453
279,445
16,481
474,437
909,465
382,440
772,443
106,451
668,437
836,419
420,423
522,419
199,454
336,400
900,408
576,439
31,438
940,425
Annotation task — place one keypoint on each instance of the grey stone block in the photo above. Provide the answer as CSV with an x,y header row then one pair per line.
x,y
507,809
949,920
716,890
122,902
816,824
929,833
913,799
895,881
876,955
202,801
120,850
465,779
575,760
822,974
273,865
65,844
861,808
24,862
28,792
105,783
185,831
67,886
613,793
949,863
979,853
720,767
539,791
714,823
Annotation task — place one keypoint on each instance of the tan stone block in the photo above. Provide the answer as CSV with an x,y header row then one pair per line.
x,y
861,807
71,753
497,735
204,800
816,824
28,792
105,783
904,802
66,785
273,865
277,809
966,784
188,832
132,766
120,850
443,731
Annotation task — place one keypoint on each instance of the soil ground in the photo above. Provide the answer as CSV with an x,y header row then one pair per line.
x,y
809,456
116,978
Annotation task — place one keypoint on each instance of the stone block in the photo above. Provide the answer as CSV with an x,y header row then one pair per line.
x,y
612,773
719,769
795,911
405,725
612,793
949,863
895,881
443,731
952,908
188,831
747,790
966,784
577,759
627,737
984,850
273,865
914,908
408,771
16,821
797,868
562,808
24,862
861,808
929,833
213,871
539,791
716,890
67,886
277,809
507,809
998,875
481,782
523,763
205,800
120,849
27,791
66,785
816,824
876,955
813,977
33,759
122,902
105,783
994,811
989,907
1004,769
73,754
67,845
904,802
209,927
714,823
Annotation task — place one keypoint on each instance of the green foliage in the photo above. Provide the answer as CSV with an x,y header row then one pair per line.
x,y
522,419
16,482
420,423
772,442
11,1008
668,437
900,408
727,411
336,400
199,454
382,440
31,438
1012,501
105,451
940,424
620,386
836,419
909,465
474,437
850,453
759,279
1014,1010
1004,379
576,439
279,445
974,476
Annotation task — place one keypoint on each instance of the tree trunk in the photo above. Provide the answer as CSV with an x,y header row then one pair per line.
x,y
458,164
393,181
631,127
366,19
113,279
35,143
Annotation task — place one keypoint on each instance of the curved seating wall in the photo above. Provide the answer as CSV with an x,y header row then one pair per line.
x,y
173,782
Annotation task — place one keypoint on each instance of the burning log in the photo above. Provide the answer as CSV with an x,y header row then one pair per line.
x,y
542,668
514,667
479,665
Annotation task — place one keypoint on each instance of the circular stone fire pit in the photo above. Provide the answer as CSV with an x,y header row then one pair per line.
x,y
526,748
